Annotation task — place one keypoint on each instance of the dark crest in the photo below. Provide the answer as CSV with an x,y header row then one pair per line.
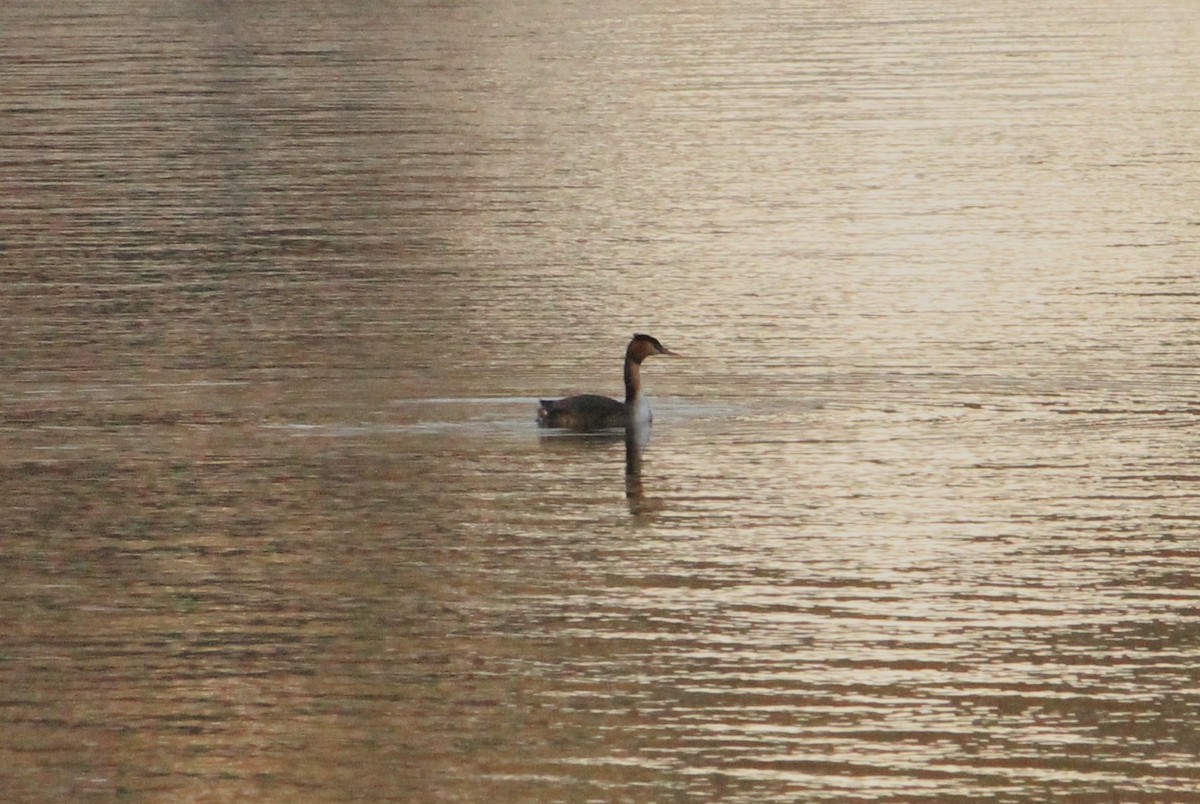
x,y
658,347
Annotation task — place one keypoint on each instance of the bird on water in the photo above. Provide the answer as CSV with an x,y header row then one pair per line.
x,y
587,412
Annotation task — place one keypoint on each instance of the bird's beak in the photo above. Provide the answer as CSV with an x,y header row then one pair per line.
x,y
668,352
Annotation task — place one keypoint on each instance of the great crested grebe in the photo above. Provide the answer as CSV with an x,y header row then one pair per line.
x,y
594,412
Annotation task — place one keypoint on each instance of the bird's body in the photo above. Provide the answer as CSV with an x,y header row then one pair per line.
x,y
587,412
583,412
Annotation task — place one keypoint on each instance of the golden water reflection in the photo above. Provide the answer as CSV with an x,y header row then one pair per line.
x,y
916,517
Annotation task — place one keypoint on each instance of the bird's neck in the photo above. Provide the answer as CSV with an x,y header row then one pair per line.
x,y
633,381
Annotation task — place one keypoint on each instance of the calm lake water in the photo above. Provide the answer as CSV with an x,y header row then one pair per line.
x,y
282,281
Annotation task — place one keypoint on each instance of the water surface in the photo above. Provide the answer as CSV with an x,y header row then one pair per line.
x,y
282,283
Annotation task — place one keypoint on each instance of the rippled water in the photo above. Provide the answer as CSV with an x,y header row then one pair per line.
x,y
282,282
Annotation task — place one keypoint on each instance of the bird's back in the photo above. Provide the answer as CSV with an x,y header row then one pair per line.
x,y
582,412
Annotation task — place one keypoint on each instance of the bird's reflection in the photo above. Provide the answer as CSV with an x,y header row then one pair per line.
x,y
637,438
